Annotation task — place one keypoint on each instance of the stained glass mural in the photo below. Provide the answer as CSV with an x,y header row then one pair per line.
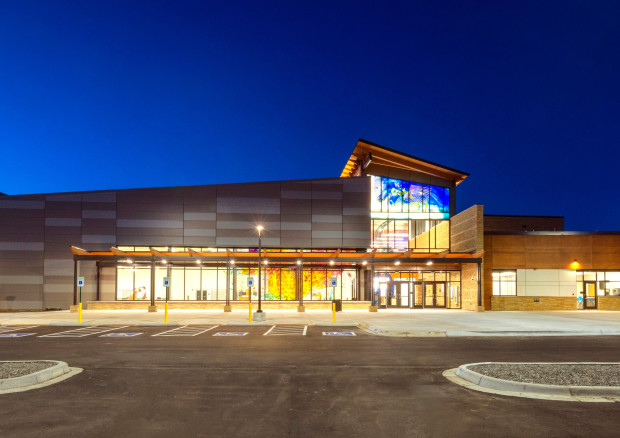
x,y
396,196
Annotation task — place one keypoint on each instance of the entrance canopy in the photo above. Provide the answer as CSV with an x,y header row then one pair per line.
x,y
282,256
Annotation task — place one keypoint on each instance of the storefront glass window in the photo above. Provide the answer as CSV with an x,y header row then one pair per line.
x,y
504,282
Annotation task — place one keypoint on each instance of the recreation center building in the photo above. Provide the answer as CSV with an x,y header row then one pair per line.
x,y
385,234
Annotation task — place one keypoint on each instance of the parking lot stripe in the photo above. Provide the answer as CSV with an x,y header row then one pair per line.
x,y
269,331
14,329
186,331
82,332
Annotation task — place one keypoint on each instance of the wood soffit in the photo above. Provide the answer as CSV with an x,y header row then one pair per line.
x,y
391,158
279,256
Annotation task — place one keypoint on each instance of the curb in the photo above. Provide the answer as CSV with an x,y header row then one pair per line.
x,y
493,383
38,377
462,333
393,333
248,324
158,324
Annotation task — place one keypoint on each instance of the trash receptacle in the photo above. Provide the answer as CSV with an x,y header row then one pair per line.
x,y
338,305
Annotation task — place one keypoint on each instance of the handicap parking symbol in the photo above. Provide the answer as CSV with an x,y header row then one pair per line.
x,y
338,334
15,335
230,334
119,335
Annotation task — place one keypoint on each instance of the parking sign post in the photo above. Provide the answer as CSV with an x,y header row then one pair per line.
x,y
167,286
80,283
334,281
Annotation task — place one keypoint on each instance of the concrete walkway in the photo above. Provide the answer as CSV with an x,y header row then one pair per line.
x,y
393,322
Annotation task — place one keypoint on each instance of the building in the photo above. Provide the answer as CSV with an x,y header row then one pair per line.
x,y
384,234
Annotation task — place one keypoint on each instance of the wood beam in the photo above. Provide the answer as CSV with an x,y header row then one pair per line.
x,y
117,251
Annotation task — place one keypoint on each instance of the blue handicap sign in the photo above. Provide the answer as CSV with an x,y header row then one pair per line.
x,y
231,334
338,334
119,335
15,335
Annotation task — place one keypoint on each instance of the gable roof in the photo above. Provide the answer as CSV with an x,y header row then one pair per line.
x,y
378,154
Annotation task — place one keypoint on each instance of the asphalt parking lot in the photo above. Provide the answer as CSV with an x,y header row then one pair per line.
x,y
198,384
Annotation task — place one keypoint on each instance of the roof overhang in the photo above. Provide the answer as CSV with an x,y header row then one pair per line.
x,y
366,152
378,258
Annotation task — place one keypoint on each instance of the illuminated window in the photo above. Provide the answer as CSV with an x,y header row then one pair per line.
x,y
504,282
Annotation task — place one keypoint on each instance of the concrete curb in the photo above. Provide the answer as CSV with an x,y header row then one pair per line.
x,y
394,333
463,333
158,324
464,372
248,324
336,324
39,377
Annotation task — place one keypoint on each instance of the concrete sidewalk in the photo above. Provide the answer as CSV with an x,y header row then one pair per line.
x,y
392,322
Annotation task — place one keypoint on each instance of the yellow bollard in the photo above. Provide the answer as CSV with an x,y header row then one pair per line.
x,y
80,313
166,313
334,312
250,307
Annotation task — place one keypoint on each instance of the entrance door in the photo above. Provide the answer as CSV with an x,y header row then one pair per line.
x,y
435,294
589,299
417,295
397,294
404,295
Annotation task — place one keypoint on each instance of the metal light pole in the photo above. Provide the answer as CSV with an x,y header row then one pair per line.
x,y
259,228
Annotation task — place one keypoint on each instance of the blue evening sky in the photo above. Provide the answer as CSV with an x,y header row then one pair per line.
x,y
523,95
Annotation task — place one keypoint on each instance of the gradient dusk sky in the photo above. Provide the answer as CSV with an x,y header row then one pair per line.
x,y
523,95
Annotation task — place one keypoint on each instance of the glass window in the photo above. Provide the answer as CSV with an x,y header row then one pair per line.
x,y
319,284
349,285
124,283
177,284
504,282
160,290
142,283
287,284
221,285
209,284
193,290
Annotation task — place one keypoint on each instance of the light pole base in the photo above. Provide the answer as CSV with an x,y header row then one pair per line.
x,y
227,308
152,308
372,308
259,316
301,308
73,309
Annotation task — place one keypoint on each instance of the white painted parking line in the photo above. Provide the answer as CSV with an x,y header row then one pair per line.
x,y
81,332
339,334
287,330
14,329
187,330
15,335
230,334
119,335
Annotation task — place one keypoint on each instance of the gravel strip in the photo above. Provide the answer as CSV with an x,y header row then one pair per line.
x,y
17,369
553,374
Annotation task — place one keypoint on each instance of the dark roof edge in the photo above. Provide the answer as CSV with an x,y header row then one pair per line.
x,y
179,187
523,215
553,233
412,156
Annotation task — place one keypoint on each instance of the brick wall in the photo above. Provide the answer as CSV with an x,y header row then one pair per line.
x,y
533,303
467,230
469,286
497,223
608,303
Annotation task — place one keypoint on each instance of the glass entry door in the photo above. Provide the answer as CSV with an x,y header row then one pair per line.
x,y
397,294
417,295
589,299
435,294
